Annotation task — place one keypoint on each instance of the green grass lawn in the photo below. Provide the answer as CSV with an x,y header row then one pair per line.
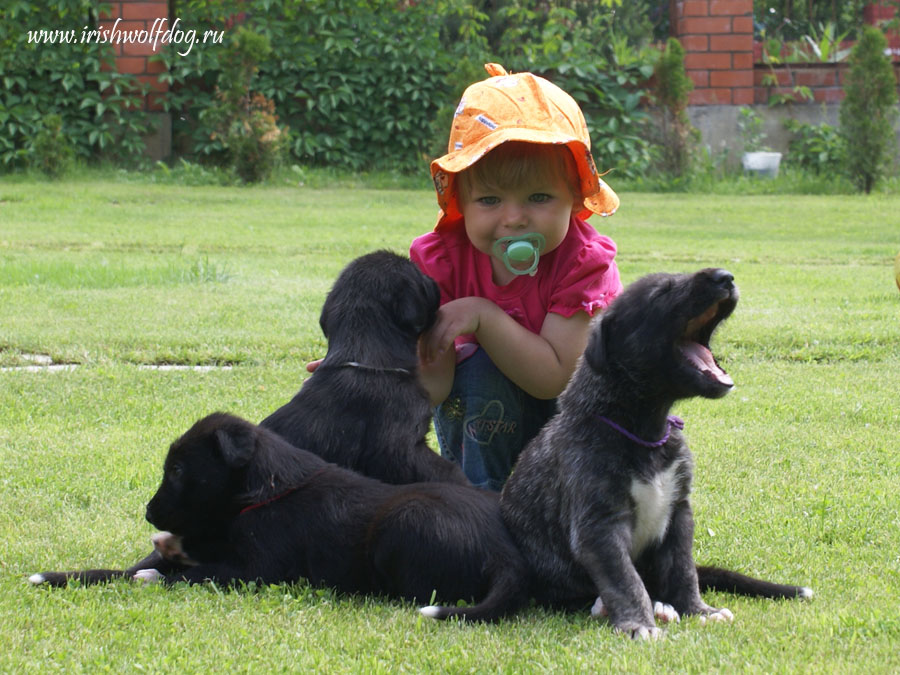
x,y
797,469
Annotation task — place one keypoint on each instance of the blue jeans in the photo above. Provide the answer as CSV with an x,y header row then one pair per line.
x,y
486,421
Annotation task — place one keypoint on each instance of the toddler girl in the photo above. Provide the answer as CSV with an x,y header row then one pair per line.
x,y
519,269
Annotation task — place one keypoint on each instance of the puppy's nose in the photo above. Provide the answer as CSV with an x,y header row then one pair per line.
x,y
723,277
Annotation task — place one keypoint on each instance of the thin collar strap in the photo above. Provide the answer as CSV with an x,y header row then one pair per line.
x,y
268,501
671,420
376,369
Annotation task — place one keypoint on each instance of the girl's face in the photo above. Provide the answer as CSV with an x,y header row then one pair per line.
x,y
537,204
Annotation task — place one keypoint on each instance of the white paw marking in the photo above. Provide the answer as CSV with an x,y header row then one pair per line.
x,y
150,576
718,615
665,613
806,592
431,611
644,633
598,610
36,579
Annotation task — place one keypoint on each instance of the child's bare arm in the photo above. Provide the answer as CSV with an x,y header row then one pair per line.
x,y
541,364
436,374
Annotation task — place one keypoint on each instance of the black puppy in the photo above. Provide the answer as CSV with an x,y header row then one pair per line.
x,y
364,408
249,507
599,502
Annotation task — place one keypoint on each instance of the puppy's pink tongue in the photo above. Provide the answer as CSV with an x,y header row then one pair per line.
x,y
703,360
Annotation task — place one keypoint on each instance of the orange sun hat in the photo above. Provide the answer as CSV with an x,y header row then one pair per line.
x,y
518,107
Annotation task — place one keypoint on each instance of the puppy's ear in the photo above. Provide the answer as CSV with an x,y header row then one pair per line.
x,y
323,319
595,352
432,296
415,306
236,445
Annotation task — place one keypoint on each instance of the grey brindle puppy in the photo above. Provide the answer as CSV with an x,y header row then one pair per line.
x,y
599,502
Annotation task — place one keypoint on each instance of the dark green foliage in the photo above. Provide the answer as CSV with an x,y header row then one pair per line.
x,y
372,84
362,84
358,81
98,109
792,19
817,148
244,123
598,53
671,88
869,110
50,150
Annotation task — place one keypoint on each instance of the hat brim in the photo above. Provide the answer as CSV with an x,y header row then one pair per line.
x,y
599,198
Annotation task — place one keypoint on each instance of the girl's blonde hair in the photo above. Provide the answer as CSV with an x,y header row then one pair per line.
x,y
515,162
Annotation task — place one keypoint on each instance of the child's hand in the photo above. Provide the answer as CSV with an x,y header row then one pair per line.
x,y
455,318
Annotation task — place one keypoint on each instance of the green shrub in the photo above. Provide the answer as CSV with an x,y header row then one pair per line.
x,y
751,129
358,81
99,109
586,49
245,123
817,148
869,110
672,87
372,84
50,151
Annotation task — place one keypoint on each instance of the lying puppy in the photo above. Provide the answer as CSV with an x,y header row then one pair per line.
x,y
246,506
599,500
363,408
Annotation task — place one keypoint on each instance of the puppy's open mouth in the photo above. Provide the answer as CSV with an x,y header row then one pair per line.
x,y
695,345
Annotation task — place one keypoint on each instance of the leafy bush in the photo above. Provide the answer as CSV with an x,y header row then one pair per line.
x,y
246,124
50,150
578,48
372,85
671,88
99,109
817,148
869,110
751,130
358,81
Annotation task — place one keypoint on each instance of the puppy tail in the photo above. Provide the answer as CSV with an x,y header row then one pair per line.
x,y
507,594
86,577
726,581
99,576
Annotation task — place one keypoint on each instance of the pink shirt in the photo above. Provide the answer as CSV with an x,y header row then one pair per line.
x,y
579,275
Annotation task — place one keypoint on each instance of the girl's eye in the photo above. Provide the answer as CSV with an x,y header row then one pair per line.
x,y
540,197
488,201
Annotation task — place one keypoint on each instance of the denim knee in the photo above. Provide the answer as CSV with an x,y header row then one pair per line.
x,y
486,421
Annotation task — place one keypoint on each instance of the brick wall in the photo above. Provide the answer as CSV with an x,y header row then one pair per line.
x,y
726,66
133,57
717,36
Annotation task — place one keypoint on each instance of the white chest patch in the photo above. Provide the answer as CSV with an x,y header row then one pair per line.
x,y
653,508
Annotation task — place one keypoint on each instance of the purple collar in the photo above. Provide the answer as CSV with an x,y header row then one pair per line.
x,y
673,421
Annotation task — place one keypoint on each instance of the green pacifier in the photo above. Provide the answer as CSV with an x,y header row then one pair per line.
x,y
520,250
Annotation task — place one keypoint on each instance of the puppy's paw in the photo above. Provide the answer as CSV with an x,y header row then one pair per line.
x,y
638,632
716,615
665,613
149,576
37,579
169,546
598,611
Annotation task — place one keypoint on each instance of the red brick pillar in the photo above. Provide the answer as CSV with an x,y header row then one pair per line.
x,y
879,13
717,36
135,32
